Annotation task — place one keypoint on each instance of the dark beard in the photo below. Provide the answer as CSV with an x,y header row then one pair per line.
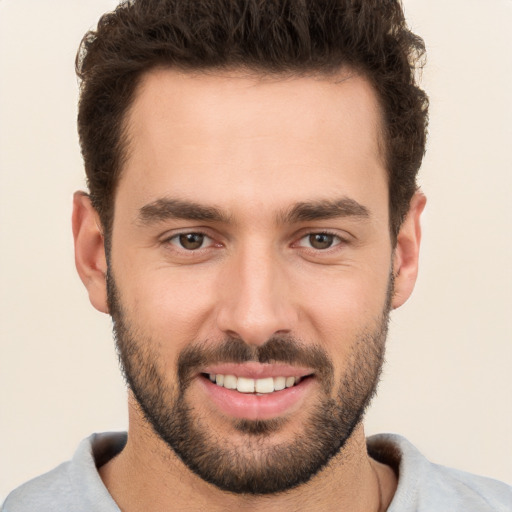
x,y
261,467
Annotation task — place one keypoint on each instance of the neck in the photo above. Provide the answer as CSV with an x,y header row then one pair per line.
x,y
147,475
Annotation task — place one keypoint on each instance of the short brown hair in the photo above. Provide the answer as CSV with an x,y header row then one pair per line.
x,y
268,36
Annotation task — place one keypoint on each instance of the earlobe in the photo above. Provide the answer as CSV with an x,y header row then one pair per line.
x,y
90,259
406,254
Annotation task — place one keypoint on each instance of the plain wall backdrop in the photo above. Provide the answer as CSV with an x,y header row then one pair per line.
x,y
447,381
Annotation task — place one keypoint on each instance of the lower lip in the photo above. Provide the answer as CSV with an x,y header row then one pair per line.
x,y
256,407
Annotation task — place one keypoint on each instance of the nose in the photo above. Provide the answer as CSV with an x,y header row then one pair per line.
x,y
256,301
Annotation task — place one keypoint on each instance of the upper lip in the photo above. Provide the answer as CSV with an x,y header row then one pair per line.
x,y
253,370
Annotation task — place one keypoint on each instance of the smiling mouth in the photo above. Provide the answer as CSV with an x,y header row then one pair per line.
x,y
254,386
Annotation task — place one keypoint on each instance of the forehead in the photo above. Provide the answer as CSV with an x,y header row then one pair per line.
x,y
241,138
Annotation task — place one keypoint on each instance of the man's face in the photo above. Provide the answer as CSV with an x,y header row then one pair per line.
x,y
251,246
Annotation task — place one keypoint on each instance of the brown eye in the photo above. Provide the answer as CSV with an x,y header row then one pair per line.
x,y
321,240
191,241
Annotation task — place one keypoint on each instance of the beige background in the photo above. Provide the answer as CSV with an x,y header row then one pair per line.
x,y
447,383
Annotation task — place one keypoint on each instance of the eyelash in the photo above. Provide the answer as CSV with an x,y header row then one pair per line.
x,y
177,237
337,240
174,240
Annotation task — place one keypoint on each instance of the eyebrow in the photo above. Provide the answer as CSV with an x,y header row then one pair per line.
x,y
325,209
165,209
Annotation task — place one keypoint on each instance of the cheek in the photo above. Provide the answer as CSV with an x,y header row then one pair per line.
x,y
342,307
169,305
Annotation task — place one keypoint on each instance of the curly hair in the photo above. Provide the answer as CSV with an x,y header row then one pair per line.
x,y
267,36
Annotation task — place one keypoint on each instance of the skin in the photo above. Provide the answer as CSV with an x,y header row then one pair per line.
x,y
253,148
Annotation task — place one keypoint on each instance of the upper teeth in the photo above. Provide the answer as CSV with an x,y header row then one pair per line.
x,y
244,385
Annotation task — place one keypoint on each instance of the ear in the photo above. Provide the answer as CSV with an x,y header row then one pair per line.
x,y
90,259
406,254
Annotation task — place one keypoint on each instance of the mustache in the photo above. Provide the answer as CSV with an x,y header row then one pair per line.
x,y
278,349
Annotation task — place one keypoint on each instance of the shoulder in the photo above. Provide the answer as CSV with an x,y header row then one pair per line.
x,y
424,486
42,493
74,486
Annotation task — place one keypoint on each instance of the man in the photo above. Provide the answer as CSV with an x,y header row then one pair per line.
x,y
253,217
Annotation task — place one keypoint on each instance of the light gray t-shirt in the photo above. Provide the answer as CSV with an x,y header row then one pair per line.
x,y
76,486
